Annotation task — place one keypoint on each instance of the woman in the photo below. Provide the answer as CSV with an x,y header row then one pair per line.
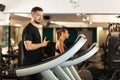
x,y
62,34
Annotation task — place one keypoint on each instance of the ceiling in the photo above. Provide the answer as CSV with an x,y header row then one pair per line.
x,y
70,13
63,6
68,20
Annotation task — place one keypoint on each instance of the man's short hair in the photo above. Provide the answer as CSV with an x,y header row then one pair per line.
x,y
34,9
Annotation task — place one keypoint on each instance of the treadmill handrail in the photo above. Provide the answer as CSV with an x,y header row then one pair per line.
x,y
87,54
53,57
28,70
90,48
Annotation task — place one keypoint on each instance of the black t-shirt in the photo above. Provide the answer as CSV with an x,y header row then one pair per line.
x,y
31,33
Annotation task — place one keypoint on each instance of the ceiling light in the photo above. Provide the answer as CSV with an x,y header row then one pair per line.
x,y
17,25
78,14
52,21
100,28
23,15
90,22
73,1
83,19
88,18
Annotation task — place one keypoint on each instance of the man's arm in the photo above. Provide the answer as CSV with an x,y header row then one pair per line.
x,y
31,46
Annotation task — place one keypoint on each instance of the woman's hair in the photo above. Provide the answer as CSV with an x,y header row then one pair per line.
x,y
58,34
63,29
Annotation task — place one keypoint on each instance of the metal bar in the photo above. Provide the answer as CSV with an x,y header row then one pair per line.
x,y
60,73
49,75
75,73
68,72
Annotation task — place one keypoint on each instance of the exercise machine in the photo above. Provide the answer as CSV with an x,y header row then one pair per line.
x,y
112,51
45,67
68,66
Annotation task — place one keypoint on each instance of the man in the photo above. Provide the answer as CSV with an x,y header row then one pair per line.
x,y
32,41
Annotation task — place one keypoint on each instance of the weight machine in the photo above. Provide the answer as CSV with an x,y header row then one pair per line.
x,y
112,61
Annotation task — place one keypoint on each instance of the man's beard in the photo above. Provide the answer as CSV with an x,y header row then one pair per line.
x,y
37,22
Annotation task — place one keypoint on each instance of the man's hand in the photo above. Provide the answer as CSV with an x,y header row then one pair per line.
x,y
44,43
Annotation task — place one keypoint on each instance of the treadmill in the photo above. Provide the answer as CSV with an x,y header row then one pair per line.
x,y
67,68
45,67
